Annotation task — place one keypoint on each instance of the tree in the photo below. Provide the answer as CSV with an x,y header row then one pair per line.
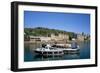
x,y
82,33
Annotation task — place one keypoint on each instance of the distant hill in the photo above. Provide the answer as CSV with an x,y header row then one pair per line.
x,y
41,31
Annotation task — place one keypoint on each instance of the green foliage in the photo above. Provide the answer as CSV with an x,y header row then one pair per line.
x,y
40,31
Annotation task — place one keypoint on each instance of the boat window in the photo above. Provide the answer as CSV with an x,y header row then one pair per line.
x,y
49,52
60,52
46,48
51,48
55,52
44,52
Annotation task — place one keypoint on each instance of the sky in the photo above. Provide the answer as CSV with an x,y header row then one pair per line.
x,y
72,22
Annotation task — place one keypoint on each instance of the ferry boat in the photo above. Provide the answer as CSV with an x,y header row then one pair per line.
x,y
49,51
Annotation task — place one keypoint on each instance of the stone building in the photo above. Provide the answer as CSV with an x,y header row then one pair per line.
x,y
80,37
53,37
59,37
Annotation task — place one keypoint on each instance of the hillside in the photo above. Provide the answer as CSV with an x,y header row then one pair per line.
x,y
41,31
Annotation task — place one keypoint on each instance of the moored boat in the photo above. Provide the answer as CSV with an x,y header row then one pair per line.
x,y
71,50
49,51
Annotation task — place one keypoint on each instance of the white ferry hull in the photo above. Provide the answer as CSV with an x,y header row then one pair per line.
x,y
48,53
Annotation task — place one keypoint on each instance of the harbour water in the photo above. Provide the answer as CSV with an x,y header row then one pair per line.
x,y
29,55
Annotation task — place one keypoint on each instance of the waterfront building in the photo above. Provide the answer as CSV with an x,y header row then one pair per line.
x,y
53,38
59,37
80,37
34,38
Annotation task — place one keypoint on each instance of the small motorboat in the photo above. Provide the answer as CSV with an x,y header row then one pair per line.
x,y
72,48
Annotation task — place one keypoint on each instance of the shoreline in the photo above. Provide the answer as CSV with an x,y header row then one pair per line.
x,y
53,41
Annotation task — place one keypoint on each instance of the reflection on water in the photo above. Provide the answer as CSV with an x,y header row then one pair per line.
x,y
29,55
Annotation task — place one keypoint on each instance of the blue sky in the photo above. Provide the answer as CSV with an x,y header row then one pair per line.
x,y
72,22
